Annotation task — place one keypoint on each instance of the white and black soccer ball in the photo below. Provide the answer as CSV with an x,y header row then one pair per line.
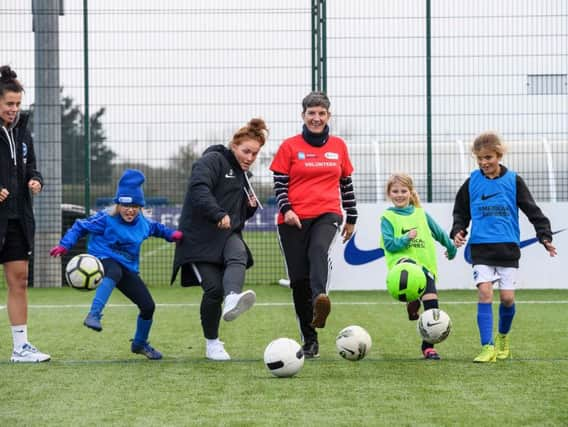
x,y
353,343
84,272
284,357
434,325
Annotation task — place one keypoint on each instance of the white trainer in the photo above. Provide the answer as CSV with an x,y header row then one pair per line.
x,y
237,304
216,351
29,354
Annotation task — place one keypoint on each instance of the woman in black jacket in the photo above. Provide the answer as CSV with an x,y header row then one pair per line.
x,y
19,179
213,254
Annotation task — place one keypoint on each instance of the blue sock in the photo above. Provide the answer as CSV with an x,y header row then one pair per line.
x,y
485,322
102,294
142,330
506,315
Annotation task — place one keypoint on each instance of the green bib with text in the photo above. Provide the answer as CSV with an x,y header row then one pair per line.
x,y
421,249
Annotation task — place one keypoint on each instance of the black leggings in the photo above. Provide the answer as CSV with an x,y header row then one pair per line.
x,y
132,286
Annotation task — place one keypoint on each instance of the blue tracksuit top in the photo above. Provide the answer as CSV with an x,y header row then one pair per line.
x,y
493,208
112,237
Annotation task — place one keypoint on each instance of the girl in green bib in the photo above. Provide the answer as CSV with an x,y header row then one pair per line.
x,y
407,231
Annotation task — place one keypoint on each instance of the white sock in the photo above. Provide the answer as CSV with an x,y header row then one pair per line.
x,y
19,335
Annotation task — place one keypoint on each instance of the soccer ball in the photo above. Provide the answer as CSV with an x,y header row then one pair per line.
x,y
353,343
406,281
283,357
434,325
84,272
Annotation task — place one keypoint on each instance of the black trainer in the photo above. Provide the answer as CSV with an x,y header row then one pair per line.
x,y
412,309
311,350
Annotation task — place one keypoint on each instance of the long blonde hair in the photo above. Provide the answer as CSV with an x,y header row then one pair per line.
x,y
406,181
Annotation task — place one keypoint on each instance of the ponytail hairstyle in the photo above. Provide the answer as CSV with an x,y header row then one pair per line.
x,y
255,129
9,81
406,181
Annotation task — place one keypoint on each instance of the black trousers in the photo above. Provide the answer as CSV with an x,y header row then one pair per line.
x,y
219,280
306,252
132,286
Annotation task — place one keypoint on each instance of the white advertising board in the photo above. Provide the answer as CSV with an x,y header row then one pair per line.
x,y
359,264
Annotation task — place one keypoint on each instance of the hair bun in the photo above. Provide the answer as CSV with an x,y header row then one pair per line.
x,y
259,126
7,74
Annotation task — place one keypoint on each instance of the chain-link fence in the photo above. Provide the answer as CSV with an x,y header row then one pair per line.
x,y
411,84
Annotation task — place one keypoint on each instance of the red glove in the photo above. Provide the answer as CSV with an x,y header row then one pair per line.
x,y
177,236
58,251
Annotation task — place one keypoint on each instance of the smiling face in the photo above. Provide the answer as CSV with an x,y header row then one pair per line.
x,y
246,152
315,118
9,106
399,194
128,213
488,161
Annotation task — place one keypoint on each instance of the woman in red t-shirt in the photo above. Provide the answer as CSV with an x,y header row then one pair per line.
x,y
313,186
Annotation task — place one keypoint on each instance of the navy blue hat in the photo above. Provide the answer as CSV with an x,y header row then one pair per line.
x,y
129,190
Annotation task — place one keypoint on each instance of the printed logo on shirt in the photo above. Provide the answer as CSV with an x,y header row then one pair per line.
x,y
230,174
301,155
488,196
331,156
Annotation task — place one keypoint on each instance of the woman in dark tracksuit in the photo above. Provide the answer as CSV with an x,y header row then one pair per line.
x,y
19,180
213,254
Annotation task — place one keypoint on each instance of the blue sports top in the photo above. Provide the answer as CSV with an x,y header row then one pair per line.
x,y
493,208
112,237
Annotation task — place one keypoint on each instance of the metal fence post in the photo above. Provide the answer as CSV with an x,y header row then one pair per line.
x,y
47,137
319,54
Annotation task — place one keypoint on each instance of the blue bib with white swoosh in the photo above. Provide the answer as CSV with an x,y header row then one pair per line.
x,y
493,208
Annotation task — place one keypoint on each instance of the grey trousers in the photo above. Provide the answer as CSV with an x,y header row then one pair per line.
x,y
218,281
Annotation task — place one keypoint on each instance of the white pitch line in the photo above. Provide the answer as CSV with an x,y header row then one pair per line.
x,y
154,251
271,304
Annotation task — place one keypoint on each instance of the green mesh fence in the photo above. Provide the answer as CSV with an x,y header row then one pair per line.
x,y
167,79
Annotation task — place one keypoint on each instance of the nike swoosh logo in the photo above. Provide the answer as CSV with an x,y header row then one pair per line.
x,y
348,350
404,230
229,176
488,196
522,244
355,256
430,324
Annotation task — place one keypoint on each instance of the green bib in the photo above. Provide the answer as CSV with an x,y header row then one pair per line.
x,y
421,249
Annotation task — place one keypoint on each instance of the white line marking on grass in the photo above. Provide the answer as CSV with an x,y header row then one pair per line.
x,y
325,360
154,251
274,304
